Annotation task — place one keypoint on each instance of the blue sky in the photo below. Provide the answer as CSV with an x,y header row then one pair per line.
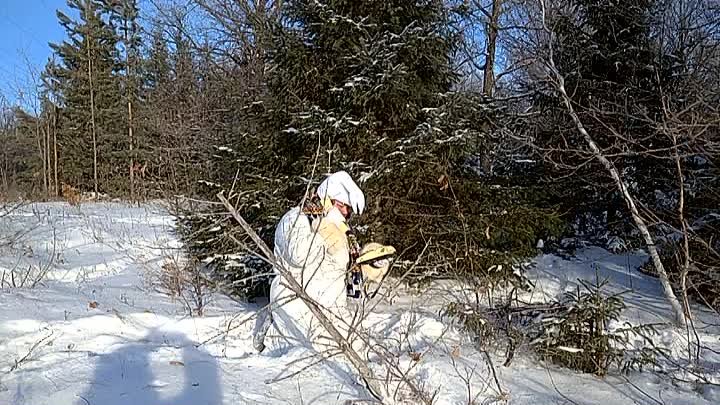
x,y
26,27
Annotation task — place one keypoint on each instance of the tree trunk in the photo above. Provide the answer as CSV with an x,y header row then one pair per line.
x,y
93,131
685,230
55,151
41,152
48,166
492,34
559,82
5,167
629,200
129,88
3,173
492,28
132,161
92,120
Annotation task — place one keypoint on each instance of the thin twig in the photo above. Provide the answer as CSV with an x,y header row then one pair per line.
x,y
30,351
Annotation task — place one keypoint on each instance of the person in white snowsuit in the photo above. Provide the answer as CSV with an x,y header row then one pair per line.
x,y
311,243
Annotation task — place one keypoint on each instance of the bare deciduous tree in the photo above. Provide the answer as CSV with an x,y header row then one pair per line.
x,y
558,82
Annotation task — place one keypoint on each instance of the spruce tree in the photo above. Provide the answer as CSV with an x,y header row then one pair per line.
x,y
89,93
367,87
124,16
615,71
156,65
152,116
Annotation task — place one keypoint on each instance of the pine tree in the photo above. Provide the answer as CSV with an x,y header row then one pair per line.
x,y
614,69
367,87
152,115
157,64
124,16
89,93
25,156
184,114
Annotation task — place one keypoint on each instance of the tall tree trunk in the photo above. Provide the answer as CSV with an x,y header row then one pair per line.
x,y
48,166
5,167
492,34
41,152
492,28
3,172
132,161
92,119
55,151
130,89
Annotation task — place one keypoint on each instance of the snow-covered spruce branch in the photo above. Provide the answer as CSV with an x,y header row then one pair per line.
x,y
558,81
343,344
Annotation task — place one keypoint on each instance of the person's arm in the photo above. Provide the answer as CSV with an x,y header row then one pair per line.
x,y
335,239
296,242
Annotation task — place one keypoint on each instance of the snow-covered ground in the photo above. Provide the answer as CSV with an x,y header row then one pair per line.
x,y
99,331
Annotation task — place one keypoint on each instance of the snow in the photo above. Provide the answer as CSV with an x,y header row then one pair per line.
x,y
99,330
643,294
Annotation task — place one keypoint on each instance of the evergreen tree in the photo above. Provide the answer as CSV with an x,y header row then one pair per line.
x,y
615,72
184,108
89,93
184,115
124,16
152,116
22,158
157,63
367,87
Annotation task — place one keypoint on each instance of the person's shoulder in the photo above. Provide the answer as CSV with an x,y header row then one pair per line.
x,y
292,213
293,219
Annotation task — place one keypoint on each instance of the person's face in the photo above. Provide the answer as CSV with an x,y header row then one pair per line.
x,y
344,209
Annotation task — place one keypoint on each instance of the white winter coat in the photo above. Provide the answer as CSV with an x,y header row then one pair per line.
x,y
317,256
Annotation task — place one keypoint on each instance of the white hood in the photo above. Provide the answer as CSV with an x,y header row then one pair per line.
x,y
341,187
